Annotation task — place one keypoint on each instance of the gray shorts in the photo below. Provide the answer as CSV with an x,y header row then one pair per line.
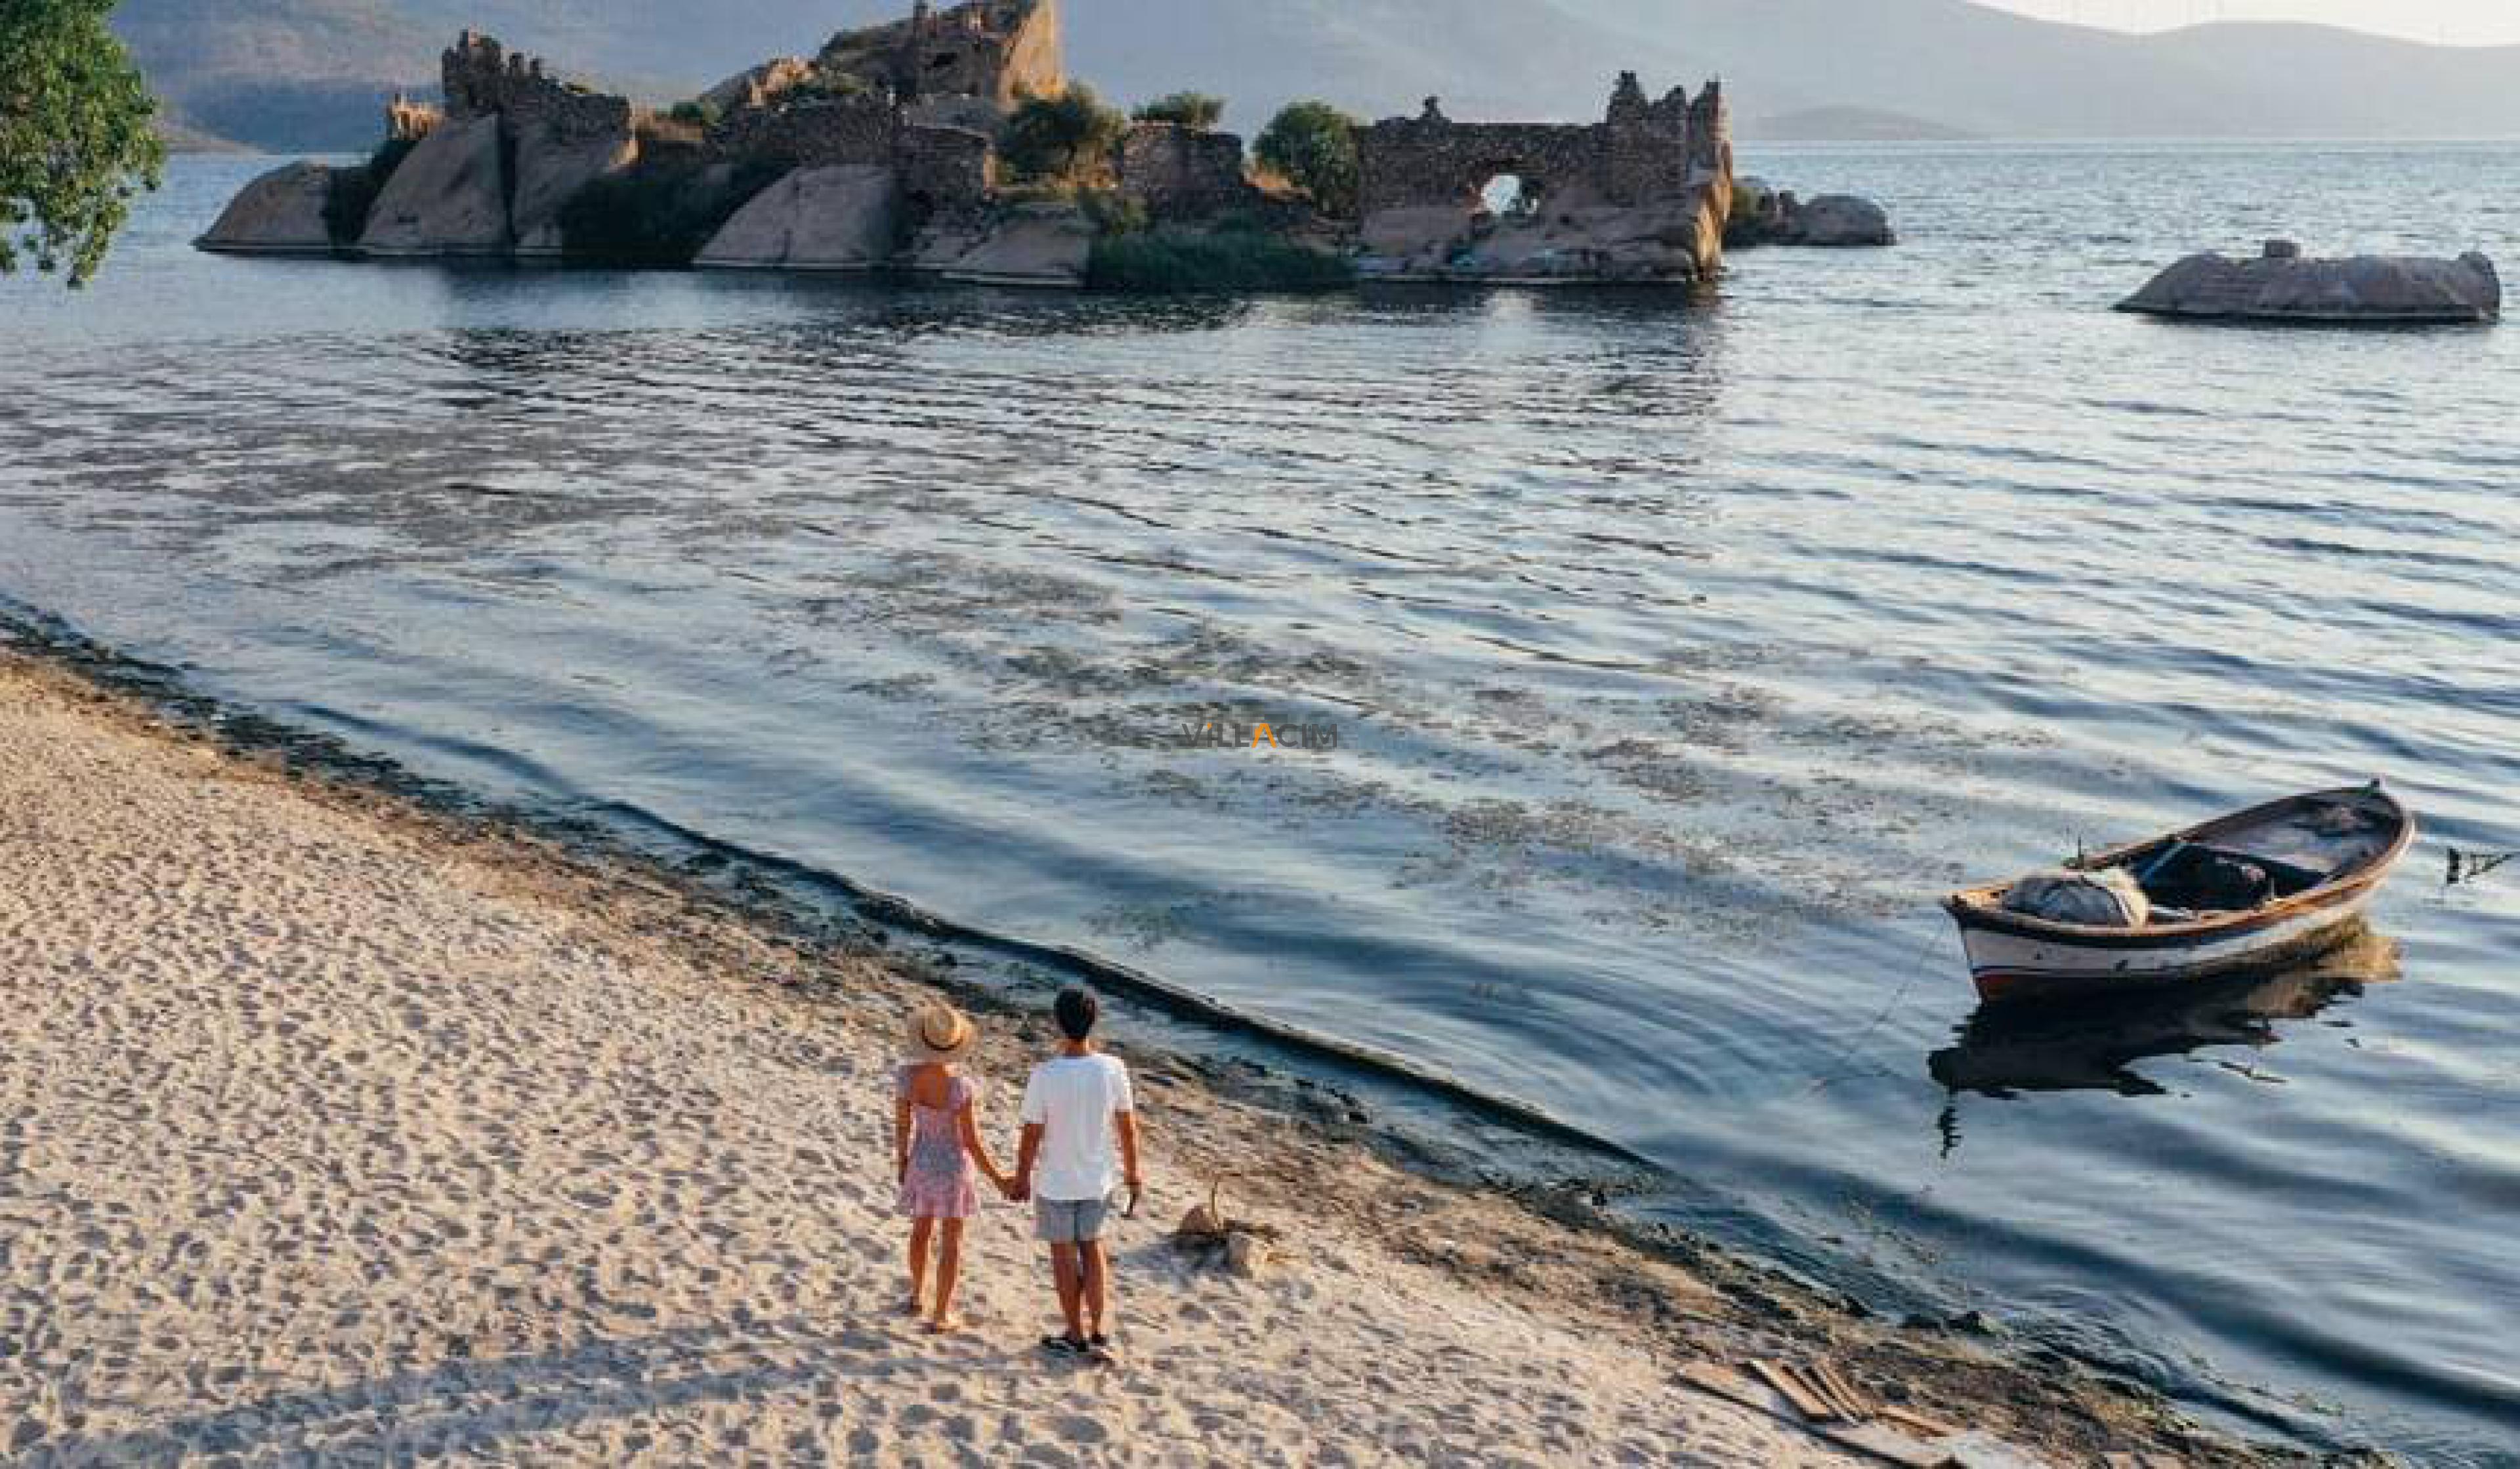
x,y
1069,1222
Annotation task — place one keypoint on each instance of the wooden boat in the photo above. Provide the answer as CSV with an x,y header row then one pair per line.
x,y
2322,857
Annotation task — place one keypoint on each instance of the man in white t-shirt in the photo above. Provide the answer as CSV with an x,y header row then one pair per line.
x,y
1075,1108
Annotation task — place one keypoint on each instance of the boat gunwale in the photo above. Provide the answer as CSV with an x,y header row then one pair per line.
x,y
1972,908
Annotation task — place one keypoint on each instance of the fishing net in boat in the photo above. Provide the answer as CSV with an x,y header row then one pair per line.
x,y
2106,899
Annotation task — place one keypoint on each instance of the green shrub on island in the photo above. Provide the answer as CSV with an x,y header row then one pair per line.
x,y
1173,261
1312,145
1112,212
1198,111
1066,138
658,213
698,112
350,194
1107,208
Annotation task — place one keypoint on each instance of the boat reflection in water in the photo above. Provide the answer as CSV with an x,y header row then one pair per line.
x,y
2092,1046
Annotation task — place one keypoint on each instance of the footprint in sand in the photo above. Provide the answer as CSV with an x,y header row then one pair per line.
x,y
1076,1428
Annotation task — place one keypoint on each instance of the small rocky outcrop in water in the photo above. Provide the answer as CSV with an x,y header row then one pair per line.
x,y
2282,285
1766,215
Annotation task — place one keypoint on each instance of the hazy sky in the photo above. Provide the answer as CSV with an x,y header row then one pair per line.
x,y
2463,23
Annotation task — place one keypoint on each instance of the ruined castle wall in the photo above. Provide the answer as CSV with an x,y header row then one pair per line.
x,y
947,169
994,50
1417,162
1645,145
815,134
1710,135
482,77
1179,174
1644,151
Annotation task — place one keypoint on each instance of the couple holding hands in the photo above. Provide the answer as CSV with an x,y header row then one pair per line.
x,y
1079,1145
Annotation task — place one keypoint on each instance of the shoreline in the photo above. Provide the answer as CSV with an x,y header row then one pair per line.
x,y
1504,1292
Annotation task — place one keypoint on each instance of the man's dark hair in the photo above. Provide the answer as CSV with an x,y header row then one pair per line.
x,y
1077,1009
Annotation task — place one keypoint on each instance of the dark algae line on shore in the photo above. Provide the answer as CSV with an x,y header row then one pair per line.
x,y
1680,655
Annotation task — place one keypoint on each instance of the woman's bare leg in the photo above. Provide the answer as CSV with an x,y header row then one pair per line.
x,y
919,1232
949,1275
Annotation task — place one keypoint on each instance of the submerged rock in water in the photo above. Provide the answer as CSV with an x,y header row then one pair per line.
x,y
1839,221
281,212
2281,285
838,218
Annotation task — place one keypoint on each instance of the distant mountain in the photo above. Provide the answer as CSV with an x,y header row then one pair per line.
x,y
2002,74
1846,124
301,73
296,75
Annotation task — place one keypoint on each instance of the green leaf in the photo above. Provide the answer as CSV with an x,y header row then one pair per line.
x,y
77,142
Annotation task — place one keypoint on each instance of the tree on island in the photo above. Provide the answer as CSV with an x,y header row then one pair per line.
x,y
76,135
1198,111
1312,145
1063,139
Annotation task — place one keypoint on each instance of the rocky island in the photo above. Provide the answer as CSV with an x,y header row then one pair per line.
x,y
2282,285
918,146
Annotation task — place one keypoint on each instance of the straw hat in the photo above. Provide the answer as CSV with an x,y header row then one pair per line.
x,y
940,1033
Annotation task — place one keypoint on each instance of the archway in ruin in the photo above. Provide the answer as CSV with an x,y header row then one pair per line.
x,y
1508,195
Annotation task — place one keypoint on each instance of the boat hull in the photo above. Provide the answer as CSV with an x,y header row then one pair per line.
x,y
2342,844
2012,966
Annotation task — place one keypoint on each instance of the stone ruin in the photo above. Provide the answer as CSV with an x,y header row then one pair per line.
x,y
490,173
938,167
1643,153
880,151
1180,173
992,52
920,98
1643,193
409,122
482,78
1634,198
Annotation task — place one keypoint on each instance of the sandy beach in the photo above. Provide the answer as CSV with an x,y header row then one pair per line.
x,y
335,1129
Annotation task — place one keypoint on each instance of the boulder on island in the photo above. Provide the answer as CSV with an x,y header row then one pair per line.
x,y
282,213
1034,244
554,160
2282,285
839,218
449,197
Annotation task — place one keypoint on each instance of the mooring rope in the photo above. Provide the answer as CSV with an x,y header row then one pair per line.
x,y
1926,954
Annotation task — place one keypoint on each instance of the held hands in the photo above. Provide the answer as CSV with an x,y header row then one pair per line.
x,y
1017,1190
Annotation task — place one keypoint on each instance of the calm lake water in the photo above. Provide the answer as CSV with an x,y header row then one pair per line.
x,y
1677,659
